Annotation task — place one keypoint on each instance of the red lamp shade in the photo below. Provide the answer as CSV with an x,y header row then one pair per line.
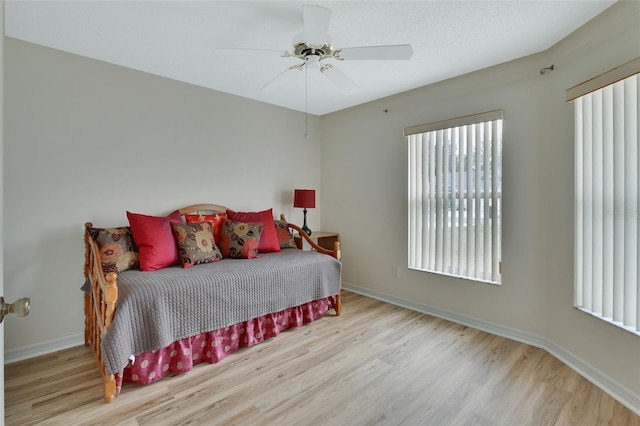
x,y
305,198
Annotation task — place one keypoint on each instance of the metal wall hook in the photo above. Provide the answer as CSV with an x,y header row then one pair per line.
x,y
19,307
546,69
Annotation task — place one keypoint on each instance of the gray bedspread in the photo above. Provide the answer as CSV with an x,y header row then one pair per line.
x,y
160,307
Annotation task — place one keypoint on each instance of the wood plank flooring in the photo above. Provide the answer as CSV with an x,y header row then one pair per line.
x,y
377,364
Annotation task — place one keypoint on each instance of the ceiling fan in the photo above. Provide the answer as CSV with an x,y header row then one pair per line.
x,y
312,46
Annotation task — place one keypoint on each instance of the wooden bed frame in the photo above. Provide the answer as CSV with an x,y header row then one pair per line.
x,y
100,302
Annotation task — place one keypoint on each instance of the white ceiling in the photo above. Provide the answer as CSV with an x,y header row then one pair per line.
x,y
176,39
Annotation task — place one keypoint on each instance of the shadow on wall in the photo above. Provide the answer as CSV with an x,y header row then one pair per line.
x,y
286,198
292,214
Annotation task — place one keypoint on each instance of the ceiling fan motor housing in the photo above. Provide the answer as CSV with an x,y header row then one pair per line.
x,y
303,49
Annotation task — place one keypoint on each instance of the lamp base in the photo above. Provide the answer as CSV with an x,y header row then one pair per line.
x,y
305,228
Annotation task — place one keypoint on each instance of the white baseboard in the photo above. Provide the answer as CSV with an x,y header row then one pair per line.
x,y
32,351
620,393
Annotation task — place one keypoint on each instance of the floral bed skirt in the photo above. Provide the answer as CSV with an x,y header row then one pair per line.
x,y
212,347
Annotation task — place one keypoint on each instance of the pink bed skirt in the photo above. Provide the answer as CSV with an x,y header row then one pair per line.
x,y
180,356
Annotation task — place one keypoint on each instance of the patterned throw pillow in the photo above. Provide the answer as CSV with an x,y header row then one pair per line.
x,y
118,250
215,219
285,237
195,243
240,240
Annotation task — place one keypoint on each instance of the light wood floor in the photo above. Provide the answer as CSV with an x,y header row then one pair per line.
x,y
375,364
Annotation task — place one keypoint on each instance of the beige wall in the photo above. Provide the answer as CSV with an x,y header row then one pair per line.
x,y
86,141
364,180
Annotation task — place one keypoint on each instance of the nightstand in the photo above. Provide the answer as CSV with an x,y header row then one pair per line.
x,y
323,239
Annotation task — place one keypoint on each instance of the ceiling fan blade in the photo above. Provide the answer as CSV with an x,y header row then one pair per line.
x,y
316,23
276,82
340,79
242,51
400,51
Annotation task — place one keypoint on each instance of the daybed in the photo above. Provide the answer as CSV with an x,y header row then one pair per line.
x,y
144,325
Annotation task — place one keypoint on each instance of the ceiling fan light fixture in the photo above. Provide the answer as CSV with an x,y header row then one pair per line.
x,y
313,62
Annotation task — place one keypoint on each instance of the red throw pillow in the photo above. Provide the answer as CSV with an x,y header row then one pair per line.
x,y
269,237
156,245
215,219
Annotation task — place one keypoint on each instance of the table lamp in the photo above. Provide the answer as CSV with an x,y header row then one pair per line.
x,y
305,198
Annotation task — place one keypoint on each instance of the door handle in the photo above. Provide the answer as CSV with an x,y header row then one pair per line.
x,y
19,307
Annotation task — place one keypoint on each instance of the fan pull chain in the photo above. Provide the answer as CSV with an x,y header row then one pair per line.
x,y
306,100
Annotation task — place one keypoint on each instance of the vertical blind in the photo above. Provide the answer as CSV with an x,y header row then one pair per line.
x,y
455,191
607,247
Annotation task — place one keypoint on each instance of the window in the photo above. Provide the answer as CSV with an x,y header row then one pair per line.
x,y
455,192
607,190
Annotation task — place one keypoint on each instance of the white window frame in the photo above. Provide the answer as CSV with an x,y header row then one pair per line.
x,y
445,202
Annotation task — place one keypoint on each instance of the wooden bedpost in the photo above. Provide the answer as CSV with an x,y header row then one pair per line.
x,y
87,316
109,388
87,297
99,308
338,255
336,250
338,307
110,297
